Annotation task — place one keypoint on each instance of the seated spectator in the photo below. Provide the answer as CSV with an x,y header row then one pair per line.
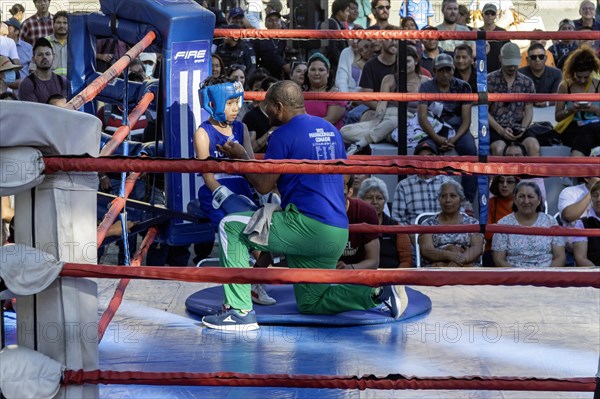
x,y
465,66
352,60
415,194
362,134
24,49
257,120
450,12
500,204
362,249
394,249
587,249
549,61
545,78
464,16
523,250
515,149
451,249
409,23
454,115
587,11
431,49
8,73
509,120
298,72
563,48
237,51
579,121
319,79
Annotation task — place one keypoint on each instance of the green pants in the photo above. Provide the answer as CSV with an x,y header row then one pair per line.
x,y
306,243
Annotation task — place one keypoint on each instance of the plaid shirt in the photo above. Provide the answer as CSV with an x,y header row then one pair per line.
x,y
508,114
415,195
35,27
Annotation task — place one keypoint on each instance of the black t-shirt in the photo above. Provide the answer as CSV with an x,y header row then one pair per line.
x,y
257,121
373,73
493,57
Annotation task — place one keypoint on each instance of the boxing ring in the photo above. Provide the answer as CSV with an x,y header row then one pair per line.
x,y
489,334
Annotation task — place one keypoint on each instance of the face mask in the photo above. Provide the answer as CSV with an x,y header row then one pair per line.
x,y
149,70
10,76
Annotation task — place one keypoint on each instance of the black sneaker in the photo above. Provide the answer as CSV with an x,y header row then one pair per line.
x,y
395,298
231,320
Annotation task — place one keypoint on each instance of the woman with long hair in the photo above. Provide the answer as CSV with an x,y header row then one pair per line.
x,y
579,121
318,79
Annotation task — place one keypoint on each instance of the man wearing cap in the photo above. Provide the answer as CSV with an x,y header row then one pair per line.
x,y
562,48
58,40
42,83
417,193
450,11
509,120
24,49
454,113
237,51
148,61
39,24
490,15
8,73
270,53
236,16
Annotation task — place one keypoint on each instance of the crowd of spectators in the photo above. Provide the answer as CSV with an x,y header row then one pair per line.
x,y
33,67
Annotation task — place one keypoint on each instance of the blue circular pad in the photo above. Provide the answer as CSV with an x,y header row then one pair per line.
x,y
210,300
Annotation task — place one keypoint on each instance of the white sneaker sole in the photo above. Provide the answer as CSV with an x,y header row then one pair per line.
x,y
402,297
232,327
265,303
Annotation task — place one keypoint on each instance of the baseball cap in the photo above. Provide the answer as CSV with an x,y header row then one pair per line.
x,y
510,54
7,65
236,12
566,21
147,57
443,60
14,23
489,7
425,145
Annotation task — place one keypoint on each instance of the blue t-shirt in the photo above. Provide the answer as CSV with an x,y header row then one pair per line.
x,y
420,10
320,197
236,183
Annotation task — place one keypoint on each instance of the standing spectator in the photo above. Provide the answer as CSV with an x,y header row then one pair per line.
x,y
431,49
490,12
381,13
18,12
587,11
8,48
523,250
218,66
464,16
108,51
580,120
39,24
465,67
450,11
451,249
237,51
42,83
563,48
455,114
362,249
587,249
353,14
318,79
394,249
340,9
270,53
24,49
58,40
545,78
509,120
364,14
420,10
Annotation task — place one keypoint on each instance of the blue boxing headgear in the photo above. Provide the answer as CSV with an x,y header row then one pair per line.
x,y
213,98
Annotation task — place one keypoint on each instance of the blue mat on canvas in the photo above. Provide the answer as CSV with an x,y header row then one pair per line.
x,y
209,301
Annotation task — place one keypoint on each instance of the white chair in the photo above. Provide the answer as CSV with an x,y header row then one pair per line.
x,y
418,220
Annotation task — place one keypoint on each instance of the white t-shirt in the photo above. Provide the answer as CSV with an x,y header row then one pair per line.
x,y
8,48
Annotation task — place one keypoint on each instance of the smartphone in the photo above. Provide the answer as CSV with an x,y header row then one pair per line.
x,y
583,103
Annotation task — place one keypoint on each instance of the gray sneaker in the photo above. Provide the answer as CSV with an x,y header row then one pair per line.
x,y
260,296
395,298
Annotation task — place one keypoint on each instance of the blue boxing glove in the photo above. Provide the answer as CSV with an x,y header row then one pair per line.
x,y
228,202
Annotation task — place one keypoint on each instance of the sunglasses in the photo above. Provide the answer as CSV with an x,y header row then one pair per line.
x,y
383,7
492,13
539,57
237,67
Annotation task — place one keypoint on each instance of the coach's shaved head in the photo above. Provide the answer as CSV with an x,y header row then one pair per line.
x,y
284,100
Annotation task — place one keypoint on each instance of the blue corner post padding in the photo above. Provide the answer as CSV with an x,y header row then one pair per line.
x,y
209,301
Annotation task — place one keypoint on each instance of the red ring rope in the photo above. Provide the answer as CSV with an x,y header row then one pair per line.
x,y
392,381
373,278
396,165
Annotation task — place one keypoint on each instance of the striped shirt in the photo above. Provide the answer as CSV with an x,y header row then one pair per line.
x,y
415,195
